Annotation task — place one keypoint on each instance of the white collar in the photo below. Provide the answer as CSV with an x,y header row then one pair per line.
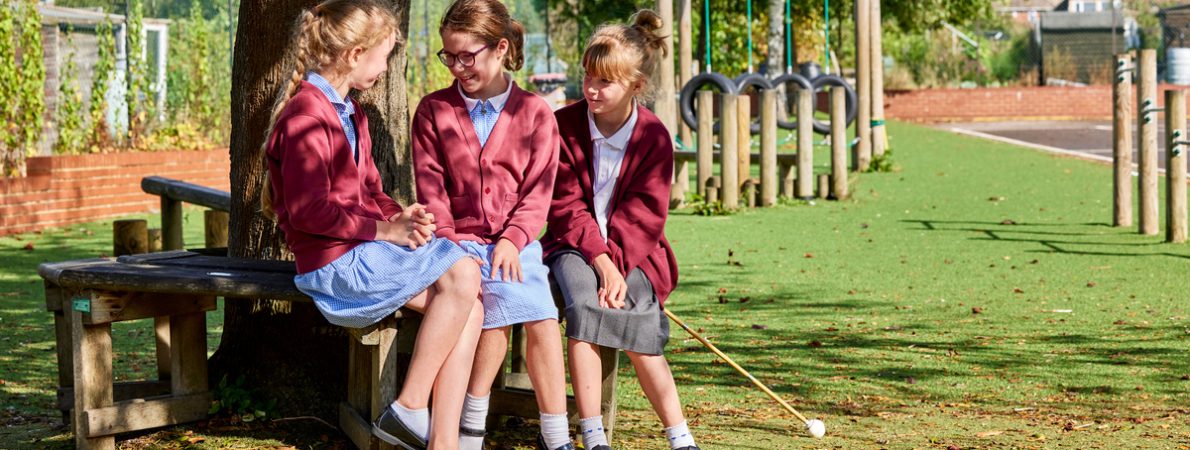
x,y
497,101
620,138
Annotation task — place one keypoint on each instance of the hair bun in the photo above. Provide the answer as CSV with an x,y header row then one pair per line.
x,y
647,20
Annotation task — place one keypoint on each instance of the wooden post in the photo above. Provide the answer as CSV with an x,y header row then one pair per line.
x,y
666,104
685,63
744,135
609,361
171,224
839,143
824,186
1122,143
92,378
728,158
712,189
768,147
788,176
154,240
1146,123
879,136
215,224
188,333
130,237
749,190
1175,166
805,144
863,88
705,165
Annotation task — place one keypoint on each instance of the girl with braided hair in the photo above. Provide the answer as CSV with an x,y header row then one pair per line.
x,y
360,255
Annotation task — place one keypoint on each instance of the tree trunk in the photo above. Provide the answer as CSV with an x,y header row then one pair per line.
x,y
776,38
287,351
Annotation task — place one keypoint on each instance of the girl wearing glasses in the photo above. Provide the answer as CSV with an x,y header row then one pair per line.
x,y
486,153
606,236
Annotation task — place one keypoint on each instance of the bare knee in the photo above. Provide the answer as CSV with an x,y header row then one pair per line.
x,y
461,280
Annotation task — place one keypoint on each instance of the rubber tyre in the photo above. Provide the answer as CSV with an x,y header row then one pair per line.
x,y
758,83
690,90
798,82
824,128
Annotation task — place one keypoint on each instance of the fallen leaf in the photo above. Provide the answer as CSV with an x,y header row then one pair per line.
x,y
984,434
745,299
809,255
196,439
1018,291
1007,222
976,310
1091,284
815,344
757,326
28,247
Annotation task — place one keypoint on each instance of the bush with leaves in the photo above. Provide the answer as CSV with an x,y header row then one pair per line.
x,y
70,105
9,81
98,138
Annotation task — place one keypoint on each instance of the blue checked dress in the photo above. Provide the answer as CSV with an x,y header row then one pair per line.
x,y
376,278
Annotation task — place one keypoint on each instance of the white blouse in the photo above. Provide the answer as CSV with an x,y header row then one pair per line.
x,y
609,155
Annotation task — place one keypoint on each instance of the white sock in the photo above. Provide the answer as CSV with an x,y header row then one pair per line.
x,y
475,417
679,436
592,430
554,430
418,420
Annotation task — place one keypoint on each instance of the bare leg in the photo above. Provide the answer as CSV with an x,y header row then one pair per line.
x,y
447,308
543,357
451,384
658,383
489,355
586,376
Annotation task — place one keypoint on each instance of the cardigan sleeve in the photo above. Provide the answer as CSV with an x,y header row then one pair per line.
x,y
388,206
645,205
430,167
529,214
570,217
307,183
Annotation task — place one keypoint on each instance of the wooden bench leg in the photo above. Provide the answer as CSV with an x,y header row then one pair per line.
x,y
161,330
92,360
188,353
610,359
372,375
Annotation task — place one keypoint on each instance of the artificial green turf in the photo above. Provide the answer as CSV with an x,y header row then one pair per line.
x,y
976,297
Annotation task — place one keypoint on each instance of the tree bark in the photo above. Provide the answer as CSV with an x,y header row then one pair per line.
x,y
776,38
287,351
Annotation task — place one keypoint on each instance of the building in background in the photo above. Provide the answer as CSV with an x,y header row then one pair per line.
x,y
57,21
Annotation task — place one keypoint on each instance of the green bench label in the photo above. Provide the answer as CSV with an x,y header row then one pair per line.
x,y
82,305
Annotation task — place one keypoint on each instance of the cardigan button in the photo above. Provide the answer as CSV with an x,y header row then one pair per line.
x,y
487,190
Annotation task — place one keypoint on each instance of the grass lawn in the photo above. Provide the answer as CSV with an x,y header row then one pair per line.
x,y
975,298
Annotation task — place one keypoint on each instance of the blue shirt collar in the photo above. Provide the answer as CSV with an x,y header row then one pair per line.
x,y
344,106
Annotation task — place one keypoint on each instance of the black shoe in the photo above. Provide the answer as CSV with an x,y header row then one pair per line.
x,y
389,428
541,444
601,447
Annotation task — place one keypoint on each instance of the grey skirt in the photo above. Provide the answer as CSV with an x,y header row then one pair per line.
x,y
639,327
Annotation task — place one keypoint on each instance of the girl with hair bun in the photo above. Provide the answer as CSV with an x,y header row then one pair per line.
x,y
485,154
605,242
360,255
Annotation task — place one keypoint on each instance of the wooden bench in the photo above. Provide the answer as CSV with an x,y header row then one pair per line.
x,y
178,288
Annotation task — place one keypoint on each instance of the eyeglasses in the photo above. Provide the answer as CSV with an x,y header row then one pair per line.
x,y
466,58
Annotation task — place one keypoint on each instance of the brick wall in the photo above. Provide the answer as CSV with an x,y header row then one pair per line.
x,y
63,190
1006,104
996,104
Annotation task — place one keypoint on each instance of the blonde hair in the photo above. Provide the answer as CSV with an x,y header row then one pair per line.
x,y
321,36
489,21
627,53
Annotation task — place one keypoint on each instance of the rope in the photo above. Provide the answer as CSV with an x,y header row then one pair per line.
x,y
788,39
706,34
749,36
826,31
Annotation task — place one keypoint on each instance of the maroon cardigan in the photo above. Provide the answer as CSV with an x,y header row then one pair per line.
x,y
508,182
639,204
326,203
